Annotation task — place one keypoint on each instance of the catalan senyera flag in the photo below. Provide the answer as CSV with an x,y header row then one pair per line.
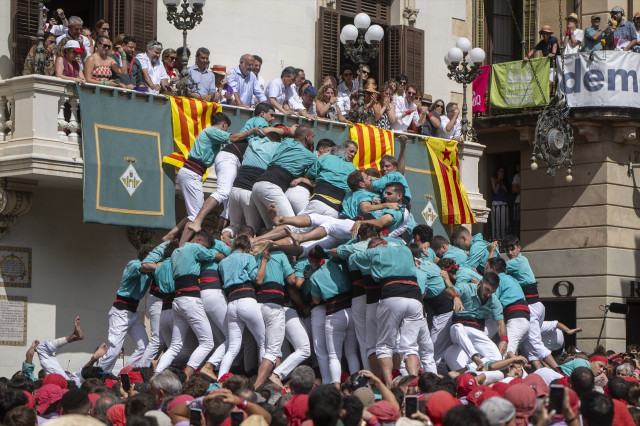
x,y
189,117
454,200
373,143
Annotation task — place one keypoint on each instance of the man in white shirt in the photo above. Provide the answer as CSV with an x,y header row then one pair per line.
x,y
257,66
295,101
346,88
406,110
73,32
245,83
52,26
153,71
450,123
277,90
573,37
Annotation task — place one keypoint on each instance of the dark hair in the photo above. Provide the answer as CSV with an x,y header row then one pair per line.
x,y
197,385
75,401
317,252
107,400
302,379
169,249
448,264
288,71
273,137
425,232
262,107
10,398
468,415
374,242
216,411
597,409
415,250
180,51
142,420
92,385
368,231
447,384
220,117
372,172
246,230
93,373
241,242
237,382
99,39
402,77
582,380
325,403
206,236
492,279
128,39
354,179
257,58
510,241
458,232
396,187
302,131
633,394
353,411
427,382
139,404
202,50
618,388
388,159
498,264
21,416
144,251
346,67
437,242
325,143
22,383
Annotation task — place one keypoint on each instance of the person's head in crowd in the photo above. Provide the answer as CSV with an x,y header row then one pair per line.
x,y
422,235
75,27
386,94
438,106
237,382
154,50
106,401
326,93
618,388
308,93
499,412
119,39
366,71
352,411
384,411
197,385
265,111
373,172
246,64
598,364
394,192
169,57
624,370
595,21
216,411
451,109
302,380
248,394
488,286
347,74
439,404
299,77
633,394
257,64
330,80
101,28
129,46
305,135
221,121
180,52
324,146
20,416
523,399
75,401
388,164
10,398
86,31
426,102
48,399
288,76
351,149
92,385
369,92
21,382
467,415
427,382
402,84
202,58
617,14
164,385
410,94
325,406
596,409
139,404
439,245
461,237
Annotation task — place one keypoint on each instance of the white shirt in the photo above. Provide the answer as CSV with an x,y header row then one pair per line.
x,y
403,121
276,89
56,30
246,86
85,42
156,71
344,96
260,83
295,101
579,36
455,130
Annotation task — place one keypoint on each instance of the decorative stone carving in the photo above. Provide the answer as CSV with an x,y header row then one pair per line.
x,y
624,134
13,204
410,14
589,132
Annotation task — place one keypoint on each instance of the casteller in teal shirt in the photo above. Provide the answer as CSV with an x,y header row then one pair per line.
x,y
478,253
379,184
208,144
294,157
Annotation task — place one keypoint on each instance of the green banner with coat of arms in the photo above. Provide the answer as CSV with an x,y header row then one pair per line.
x,y
513,84
124,137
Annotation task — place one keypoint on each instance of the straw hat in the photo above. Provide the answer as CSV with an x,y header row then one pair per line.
x,y
220,69
545,29
371,87
573,16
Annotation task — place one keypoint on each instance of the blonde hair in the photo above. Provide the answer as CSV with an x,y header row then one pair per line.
x,y
323,90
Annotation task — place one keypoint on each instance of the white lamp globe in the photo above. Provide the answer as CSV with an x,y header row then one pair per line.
x,y
455,55
170,2
362,21
374,33
463,44
476,56
446,59
348,33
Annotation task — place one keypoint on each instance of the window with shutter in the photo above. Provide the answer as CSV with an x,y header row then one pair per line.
x,y
406,54
503,38
378,10
143,21
117,17
328,51
25,27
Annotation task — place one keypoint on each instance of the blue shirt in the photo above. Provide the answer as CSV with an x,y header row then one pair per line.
x,y
352,201
465,275
254,122
156,254
473,307
303,269
519,268
133,284
237,268
278,268
397,217
478,253
330,280
218,247
384,261
457,254
379,184
509,291
246,86
186,260
164,277
205,81
331,169
259,153
434,283
207,145
568,367
292,156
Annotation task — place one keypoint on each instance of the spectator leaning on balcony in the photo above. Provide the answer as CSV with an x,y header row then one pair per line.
x,y
621,35
573,37
49,50
308,95
294,98
593,35
153,70
73,33
169,57
203,78
52,24
406,110
346,88
385,109
429,122
224,92
548,45
450,123
257,66
327,104
68,62
278,90
100,66
245,83
133,77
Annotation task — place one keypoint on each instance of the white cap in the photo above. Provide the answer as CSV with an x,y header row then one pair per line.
x,y
73,44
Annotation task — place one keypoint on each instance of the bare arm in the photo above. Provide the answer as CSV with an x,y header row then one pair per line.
x,y
262,270
243,135
403,148
149,267
117,68
274,103
387,395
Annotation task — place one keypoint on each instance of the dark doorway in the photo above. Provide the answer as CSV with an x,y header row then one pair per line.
x,y
633,319
562,310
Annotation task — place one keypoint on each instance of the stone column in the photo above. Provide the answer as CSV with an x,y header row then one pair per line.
x,y
470,153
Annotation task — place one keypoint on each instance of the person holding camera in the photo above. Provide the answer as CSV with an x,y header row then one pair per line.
x,y
52,24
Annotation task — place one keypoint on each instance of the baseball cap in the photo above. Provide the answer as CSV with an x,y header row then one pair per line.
x,y
73,44
310,90
498,411
595,17
465,383
617,9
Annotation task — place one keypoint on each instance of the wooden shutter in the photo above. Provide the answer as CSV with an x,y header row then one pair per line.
x,y
117,17
406,54
136,18
328,52
378,10
25,29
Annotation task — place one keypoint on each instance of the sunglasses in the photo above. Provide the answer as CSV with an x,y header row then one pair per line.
x,y
106,46
403,82
439,106
173,58
105,29
412,93
426,103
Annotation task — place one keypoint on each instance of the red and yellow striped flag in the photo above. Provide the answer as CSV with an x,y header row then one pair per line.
x,y
454,199
189,117
373,143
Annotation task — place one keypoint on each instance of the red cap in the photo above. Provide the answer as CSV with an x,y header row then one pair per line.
x,y
110,382
564,381
47,395
384,411
537,383
93,397
180,399
475,395
414,382
135,377
55,379
500,387
524,399
438,404
224,377
126,370
465,383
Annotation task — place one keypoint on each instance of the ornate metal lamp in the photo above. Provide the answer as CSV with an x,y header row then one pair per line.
x,y
184,20
361,43
41,60
464,72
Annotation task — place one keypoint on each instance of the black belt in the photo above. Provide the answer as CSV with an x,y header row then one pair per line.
x,y
195,166
278,176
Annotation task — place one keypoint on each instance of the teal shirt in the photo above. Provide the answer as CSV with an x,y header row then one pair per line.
x,y
352,201
478,253
157,253
465,275
384,261
186,260
430,258
207,145
397,217
237,268
457,254
164,277
134,284
254,122
330,280
302,268
509,291
259,153
331,169
434,283
519,268
568,367
278,268
354,246
473,307
379,184
27,370
292,156
218,247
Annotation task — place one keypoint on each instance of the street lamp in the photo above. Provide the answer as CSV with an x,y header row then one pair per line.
x,y
361,43
184,21
463,71
41,60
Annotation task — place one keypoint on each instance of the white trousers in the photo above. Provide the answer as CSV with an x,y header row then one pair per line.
x,y
318,207
188,313
50,364
242,313
359,315
242,209
274,324
425,349
371,315
191,186
226,165
154,307
121,323
472,341
398,315
339,331
440,326
215,306
166,325
318,317
296,334
264,194
298,196
517,332
533,347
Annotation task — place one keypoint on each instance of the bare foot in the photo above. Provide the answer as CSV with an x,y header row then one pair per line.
x,y
275,379
276,218
194,226
99,353
77,332
208,370
295,238
259,246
